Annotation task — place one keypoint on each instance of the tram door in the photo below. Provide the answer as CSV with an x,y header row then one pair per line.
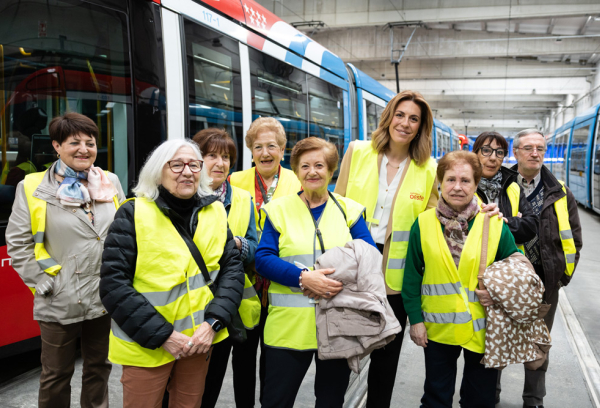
x,y
595,170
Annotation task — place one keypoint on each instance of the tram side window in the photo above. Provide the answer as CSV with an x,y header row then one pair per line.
x,y
326,106
596,168
279,90
214,84
579,148
374,112
66,67
559,168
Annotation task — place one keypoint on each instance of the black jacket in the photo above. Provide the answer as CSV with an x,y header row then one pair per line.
x,y
130,309
551,252
524,228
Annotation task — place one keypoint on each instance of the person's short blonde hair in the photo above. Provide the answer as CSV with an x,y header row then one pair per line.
x,y
262,124
459,157
421,146
309,144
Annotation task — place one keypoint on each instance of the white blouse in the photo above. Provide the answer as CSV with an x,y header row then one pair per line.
x,y
385,198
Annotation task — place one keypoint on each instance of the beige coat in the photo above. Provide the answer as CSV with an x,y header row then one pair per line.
x,y
342,184
359,319
71,240
515,328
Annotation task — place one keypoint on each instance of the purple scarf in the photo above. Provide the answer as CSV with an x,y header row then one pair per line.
x,y
456,225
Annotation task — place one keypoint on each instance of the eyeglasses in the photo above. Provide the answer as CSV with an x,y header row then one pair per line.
x,y
177,166
487,151
530,149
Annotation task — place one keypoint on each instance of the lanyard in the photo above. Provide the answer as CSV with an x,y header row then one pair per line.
x,y
317,230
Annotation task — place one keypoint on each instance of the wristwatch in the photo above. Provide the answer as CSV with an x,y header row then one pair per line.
x,y
214,324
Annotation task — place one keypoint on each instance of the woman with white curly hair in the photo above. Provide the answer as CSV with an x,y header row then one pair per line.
x,y
165,253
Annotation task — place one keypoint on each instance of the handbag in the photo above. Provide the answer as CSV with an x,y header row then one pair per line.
x,y
235,328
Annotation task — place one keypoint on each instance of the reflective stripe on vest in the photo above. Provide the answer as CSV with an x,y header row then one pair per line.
x,y
246,180
291,321
561,208
37,213
411,200
168,277
238,219
451,309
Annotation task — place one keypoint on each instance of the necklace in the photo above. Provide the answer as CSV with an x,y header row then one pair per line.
x,y
393,167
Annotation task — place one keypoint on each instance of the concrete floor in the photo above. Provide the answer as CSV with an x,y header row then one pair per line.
x,y
566,386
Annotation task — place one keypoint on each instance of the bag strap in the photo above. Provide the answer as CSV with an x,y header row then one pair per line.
x,y
484,248
196,255
317,230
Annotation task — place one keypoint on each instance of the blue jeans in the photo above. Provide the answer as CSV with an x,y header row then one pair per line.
x,y
478,387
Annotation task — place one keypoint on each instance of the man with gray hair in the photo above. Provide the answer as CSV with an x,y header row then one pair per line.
x,y
554,251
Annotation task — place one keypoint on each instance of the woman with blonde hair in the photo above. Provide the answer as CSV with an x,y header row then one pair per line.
x,y
394,177
267,181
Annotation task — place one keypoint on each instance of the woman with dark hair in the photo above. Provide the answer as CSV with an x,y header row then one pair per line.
x,y
499,186
394,177
220,154
55,237
441,295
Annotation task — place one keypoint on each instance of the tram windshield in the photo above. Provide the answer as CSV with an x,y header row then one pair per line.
x,y
61,56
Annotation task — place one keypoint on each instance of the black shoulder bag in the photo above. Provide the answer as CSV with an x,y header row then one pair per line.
x,y
235,328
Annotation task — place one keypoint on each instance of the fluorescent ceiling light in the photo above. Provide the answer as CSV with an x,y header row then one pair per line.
x,y
220,86
199,81
284,119
319,113
258,97
278,85
211,62
205,107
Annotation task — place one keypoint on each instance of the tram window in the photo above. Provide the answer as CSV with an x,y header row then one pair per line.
x,y
214,85
66,68
596,168
279,90
559,168
374,112
326,106
579,147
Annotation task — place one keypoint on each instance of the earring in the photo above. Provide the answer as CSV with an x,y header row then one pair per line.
x,y
58,155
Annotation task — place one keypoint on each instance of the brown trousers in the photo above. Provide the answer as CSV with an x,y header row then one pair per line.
x,y
144,387
58,362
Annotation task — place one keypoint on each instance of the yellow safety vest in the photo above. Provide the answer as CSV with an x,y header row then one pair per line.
x,y
411,200
37,212
167,275
451,310
287,184
238,219
514,194
28,167
291,321
566,235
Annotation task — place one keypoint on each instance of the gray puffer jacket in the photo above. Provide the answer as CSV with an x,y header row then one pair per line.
x,y
71,240
359,319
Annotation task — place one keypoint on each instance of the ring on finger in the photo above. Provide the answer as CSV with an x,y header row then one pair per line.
x,y
328,294
190,344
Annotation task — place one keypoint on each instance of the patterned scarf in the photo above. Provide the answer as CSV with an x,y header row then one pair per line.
x,y
456,225
72,192
221,192
492,186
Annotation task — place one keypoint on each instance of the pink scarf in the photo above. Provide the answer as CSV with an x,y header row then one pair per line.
x,y
72,192
456,225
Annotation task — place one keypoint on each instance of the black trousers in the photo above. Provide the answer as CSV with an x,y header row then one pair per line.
x,y
285,370
243,365
478,387
384,362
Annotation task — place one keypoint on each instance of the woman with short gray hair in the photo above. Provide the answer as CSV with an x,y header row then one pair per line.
x,y
161,256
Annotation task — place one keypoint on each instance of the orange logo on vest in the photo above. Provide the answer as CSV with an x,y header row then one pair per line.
x,y
416,196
